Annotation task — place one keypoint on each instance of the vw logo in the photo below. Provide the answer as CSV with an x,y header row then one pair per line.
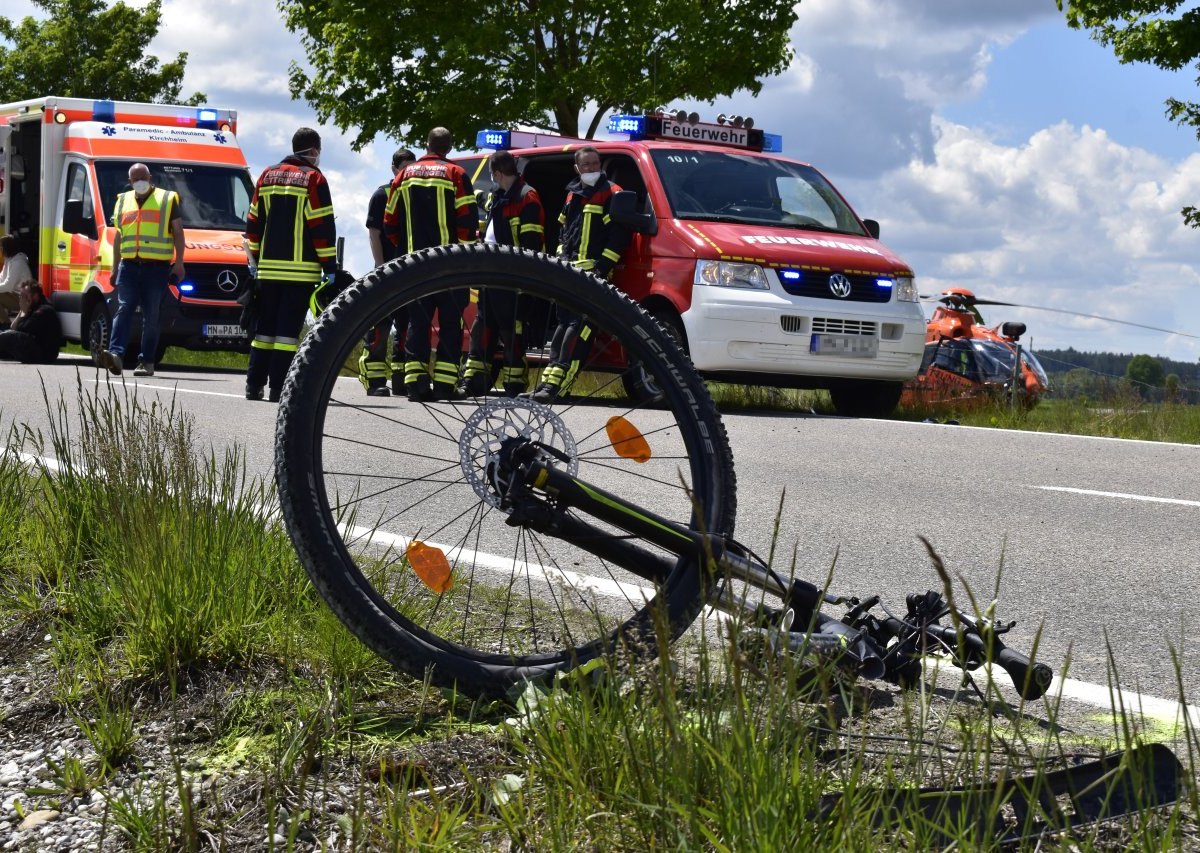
x,y
227,280
839,285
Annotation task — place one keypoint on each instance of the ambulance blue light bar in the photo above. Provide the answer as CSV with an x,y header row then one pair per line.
x,y
676,129
104,111
206,118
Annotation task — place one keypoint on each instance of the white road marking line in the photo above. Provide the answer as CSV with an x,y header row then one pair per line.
x,y
509,566
1122,495
176,389
1095,695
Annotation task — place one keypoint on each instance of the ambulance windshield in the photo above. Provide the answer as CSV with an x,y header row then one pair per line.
x,y
727,186
214,198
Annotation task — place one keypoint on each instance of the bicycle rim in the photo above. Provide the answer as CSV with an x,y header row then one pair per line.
x,y
361,480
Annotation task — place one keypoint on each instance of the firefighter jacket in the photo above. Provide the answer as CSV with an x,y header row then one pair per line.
x,y
289,229
430,204
145,228
516,217
589,238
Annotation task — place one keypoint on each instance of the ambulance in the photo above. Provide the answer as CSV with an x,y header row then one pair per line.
x,y
751,261
64,161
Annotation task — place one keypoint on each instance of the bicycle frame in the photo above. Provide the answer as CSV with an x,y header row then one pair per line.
x,y
891,648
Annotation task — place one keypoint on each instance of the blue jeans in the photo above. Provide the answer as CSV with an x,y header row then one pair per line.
x,y
139,285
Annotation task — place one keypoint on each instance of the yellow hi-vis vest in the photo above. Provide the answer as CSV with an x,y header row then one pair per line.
x,y
146,228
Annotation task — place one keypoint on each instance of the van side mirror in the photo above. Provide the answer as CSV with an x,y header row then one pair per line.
x,y
74,222
872,227
625,210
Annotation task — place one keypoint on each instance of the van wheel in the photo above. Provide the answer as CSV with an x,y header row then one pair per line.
x,y
640,386
866,398
99,331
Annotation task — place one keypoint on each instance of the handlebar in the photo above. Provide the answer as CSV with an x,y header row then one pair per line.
x,y
1032,680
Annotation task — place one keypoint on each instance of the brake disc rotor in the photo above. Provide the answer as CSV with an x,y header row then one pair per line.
x,y
500,421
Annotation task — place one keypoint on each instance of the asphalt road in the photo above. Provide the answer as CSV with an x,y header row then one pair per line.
x,y
1092,539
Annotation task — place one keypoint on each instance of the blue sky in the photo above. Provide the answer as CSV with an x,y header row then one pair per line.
x,y
1083,84
1000,150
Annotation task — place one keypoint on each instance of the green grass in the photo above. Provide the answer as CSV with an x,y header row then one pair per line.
x,y
154,566
1120,417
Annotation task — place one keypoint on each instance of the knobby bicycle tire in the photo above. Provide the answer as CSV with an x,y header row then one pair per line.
x,y
360,480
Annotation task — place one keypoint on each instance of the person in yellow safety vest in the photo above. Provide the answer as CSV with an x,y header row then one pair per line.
x,y
150,233
292,241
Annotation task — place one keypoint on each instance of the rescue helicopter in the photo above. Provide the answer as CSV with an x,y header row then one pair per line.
x,y
968,364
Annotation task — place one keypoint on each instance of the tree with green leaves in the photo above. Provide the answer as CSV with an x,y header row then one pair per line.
x,y
1165,33
85,49
1145,372
401,68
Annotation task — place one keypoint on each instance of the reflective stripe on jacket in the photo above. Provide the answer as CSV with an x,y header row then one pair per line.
x,y
519,217
430,204
145,228
289,228
588,233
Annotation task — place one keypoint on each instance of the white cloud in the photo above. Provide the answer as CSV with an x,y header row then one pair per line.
x,y
1070,219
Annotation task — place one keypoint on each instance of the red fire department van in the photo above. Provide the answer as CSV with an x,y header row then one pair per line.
x,y
64,161
753,262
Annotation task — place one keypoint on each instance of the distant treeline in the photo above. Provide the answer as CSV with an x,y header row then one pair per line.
x,y
1102,374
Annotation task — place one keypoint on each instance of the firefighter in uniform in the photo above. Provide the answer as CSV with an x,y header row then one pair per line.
x,y
514,218
590,240
374,368
431,204
150,226
291,239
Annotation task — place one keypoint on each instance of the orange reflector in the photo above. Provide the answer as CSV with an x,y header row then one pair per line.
x,y
430,565
627,439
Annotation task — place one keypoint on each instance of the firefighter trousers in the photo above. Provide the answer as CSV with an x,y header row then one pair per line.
x,y
374,366
282,307
498,322
449,309
568,351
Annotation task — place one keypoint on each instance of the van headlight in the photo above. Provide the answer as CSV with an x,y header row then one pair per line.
x,y
728,274
905,288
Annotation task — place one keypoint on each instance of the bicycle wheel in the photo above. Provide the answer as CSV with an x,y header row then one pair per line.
x,y
363,480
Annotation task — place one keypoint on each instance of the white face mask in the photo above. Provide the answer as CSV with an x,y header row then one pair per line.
x,y
315,159
141,187
589,178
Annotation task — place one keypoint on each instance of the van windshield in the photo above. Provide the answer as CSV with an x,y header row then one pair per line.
x,y
728,186
214,198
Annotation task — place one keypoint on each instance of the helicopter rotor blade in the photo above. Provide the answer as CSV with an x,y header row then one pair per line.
x,y
1088,316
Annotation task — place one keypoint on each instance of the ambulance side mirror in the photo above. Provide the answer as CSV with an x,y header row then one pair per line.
x,y
872,227
74,222
626,210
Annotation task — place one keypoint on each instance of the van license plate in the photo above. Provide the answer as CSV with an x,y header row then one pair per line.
x,y
223,331
852,346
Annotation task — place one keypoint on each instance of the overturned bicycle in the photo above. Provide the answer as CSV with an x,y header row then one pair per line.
x,y
490,540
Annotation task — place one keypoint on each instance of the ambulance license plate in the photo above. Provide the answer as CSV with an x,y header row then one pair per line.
x,y
214,330
851,346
